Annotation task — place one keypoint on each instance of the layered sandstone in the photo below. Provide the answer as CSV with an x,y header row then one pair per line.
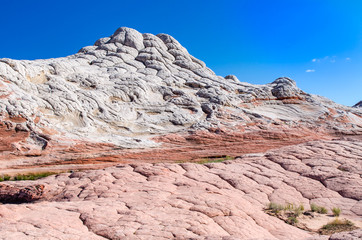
x,y
142,97
140,109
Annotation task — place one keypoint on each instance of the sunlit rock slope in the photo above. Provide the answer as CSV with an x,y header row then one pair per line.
x,y
133,97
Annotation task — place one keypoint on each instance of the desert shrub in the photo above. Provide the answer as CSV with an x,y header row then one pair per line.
x,y
274,207
289,207
337,222
301,207
313,207
22,177
299,210
292,220
318,209
323,210
5,178
337,226
336,211
32,176
215,159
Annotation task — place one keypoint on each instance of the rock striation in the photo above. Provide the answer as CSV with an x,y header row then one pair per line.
x,y
195,201
144,91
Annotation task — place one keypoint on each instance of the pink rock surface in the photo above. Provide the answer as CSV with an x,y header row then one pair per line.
x,y
194,201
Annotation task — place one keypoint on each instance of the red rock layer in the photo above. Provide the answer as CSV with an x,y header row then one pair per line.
x,y
190,146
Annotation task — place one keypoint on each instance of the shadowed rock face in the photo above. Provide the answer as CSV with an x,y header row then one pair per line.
x,y
141,91
13,194
358,105
194,201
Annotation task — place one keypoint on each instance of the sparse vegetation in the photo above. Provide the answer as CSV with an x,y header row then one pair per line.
x,y
289,212
214,159
336,211
292,220
299,210
22,177
5,178
318,209
323,210
275,208
343,169
313,207
337,226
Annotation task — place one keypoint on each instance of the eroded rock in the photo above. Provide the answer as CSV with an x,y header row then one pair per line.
x,y
194,201
18,194
129,89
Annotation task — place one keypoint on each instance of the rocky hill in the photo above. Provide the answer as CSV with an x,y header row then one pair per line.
x,y
179,152
141,91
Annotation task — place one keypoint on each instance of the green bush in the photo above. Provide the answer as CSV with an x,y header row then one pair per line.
x,y
22,177
301,207
337,226
336,222
318,209
32,176
5,178
323,210
292,220
336,211
299,210
275,208
313,207
289,209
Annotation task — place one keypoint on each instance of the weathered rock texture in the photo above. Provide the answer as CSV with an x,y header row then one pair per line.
x,y
13,194
134,91
193,201
140,102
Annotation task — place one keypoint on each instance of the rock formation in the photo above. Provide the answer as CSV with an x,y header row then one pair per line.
x,y
13,194
358,105
141,91
195,201
140,109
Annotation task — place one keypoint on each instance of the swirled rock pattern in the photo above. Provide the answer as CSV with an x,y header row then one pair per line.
x,y
195,201
131,106
133,91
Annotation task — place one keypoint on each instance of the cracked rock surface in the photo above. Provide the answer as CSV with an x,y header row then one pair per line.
x,y
194,201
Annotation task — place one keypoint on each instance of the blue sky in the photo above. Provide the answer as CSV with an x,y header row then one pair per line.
x,y
318,43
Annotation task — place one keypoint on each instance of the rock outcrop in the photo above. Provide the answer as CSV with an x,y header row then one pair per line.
x,y
358,105
135,96
196,201
13,194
